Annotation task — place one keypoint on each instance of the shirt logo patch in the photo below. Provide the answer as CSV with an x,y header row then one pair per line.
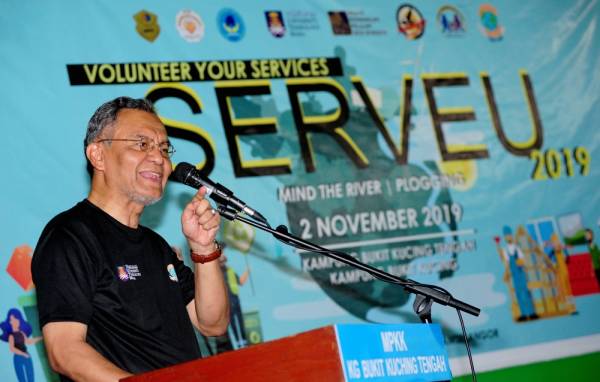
x,y
172,274
128,272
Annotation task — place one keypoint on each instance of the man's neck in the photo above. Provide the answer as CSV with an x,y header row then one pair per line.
x,y
123,210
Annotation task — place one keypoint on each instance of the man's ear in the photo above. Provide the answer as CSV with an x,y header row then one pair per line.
x,y
95,154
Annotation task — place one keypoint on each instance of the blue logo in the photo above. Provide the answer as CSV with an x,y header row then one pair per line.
x,y
230,24
451,20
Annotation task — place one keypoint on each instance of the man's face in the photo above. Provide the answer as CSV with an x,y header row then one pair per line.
x,y
136,175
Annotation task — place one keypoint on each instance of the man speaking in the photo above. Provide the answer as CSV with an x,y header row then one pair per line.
x,y
113,298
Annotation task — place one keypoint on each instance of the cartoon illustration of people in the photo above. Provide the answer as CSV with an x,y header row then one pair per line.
x,y
236,318
235,338
558,259
514,262
220,344
594,252
16,331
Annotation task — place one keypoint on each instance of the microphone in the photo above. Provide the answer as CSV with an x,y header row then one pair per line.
x,y
188,174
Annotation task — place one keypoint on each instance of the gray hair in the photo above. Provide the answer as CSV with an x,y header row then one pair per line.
x,y
106,115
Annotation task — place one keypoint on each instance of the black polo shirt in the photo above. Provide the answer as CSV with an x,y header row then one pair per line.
x,y
125,284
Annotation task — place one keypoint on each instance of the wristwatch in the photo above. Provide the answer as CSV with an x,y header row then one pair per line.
x,y
201,259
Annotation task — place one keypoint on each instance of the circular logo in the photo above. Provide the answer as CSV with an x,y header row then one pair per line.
x,y
489,22
255,337
451,21
230,24
410,21
190,25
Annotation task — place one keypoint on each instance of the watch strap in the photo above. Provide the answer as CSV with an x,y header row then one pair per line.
x,y
202,259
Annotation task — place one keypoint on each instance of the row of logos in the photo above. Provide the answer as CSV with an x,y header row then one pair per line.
x,y
410,21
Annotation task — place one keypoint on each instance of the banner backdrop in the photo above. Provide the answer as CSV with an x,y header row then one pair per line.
x,y
452,143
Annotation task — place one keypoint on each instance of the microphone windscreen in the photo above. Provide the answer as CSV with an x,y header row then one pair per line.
x,y
182,172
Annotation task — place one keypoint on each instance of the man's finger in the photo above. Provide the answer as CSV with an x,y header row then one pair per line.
x,y
202,207
211,223
200,195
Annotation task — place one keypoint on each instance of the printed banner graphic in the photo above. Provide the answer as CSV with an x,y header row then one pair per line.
x,y
450,143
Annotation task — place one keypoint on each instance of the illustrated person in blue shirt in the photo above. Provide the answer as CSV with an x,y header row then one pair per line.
x,y
514,260
16,331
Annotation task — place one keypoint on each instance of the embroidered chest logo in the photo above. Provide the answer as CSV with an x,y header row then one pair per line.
x,y
129,272
172,274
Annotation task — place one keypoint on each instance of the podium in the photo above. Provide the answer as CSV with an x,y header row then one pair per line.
x,y
405,352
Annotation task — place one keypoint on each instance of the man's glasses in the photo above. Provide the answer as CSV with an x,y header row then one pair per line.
x,y
145,145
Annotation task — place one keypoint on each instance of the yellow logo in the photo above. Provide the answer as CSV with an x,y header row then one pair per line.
x,y
147,25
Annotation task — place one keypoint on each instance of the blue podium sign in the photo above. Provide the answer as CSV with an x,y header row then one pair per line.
x,y
403,352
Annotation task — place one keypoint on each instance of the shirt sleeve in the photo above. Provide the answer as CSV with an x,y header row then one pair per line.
x,y
64,273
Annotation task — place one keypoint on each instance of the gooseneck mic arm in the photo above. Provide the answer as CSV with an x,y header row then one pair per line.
x,y
433,292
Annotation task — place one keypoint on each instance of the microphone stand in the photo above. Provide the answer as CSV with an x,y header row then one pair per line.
x,y
425,294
